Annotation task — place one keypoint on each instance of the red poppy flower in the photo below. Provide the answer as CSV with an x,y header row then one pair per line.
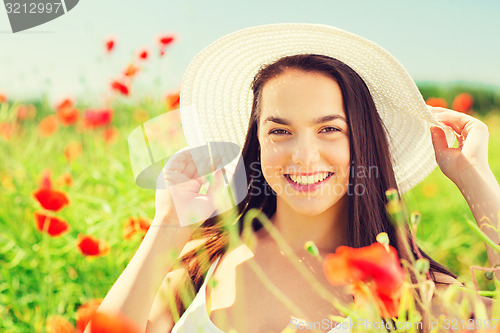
x,y
135,225
66,103
110,45
437,102
91,246
45,182
166,39
85,312
3,98
97,118
65,180
120,87
110,135
58,324
131,70
105,323
463,103
7,130
51,199
53,225
373,267
68,116
48,126
173,101
25,112
143,55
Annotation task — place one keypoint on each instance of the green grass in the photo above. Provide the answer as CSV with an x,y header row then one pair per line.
x,y
42,276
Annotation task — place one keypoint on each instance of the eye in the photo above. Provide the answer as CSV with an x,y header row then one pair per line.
x,y
330,129
278,131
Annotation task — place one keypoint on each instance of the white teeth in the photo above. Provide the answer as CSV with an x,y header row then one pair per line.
x,y
307,180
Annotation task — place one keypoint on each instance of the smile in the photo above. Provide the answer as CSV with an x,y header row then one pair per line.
x,y
308,183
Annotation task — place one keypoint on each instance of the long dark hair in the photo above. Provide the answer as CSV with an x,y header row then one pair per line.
x,y
369,150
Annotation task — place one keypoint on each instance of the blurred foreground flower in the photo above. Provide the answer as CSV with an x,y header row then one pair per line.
x,y
463,103
106,323
91,246
85,312
52,225
371,268
437,102
135,225
3,98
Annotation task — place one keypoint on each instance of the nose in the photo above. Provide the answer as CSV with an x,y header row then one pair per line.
x,y
306,152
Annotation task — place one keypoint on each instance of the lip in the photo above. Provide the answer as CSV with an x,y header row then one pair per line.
x,y
312,173
310,187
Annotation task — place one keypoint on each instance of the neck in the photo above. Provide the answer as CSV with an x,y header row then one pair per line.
x,y
327,230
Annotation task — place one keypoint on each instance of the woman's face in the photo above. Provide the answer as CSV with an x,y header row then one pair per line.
x,y
304,140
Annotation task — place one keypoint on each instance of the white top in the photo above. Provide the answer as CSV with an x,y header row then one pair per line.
x,y
196,319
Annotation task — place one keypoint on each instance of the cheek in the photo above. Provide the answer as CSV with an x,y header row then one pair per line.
x,y
339,155
272,162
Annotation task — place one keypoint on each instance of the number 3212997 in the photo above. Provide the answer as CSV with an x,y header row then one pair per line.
x,y
33,8
470,324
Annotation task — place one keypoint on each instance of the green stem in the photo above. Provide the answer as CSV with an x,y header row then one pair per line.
x,y
482,235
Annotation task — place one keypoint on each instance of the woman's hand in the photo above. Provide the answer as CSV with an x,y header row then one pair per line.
x,y
178,198
472,151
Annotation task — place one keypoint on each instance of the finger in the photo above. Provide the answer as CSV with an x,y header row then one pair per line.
x,y
456,120
175,177
190,170
438,140
436,109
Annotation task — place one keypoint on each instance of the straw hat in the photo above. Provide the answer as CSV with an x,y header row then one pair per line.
x,y
216,96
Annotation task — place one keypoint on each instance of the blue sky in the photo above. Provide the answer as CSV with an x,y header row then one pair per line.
x,y
435,40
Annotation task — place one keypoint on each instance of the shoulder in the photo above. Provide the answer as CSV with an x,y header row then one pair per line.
x,y
444,280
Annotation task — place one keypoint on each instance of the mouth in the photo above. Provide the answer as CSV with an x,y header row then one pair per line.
x,y
308,183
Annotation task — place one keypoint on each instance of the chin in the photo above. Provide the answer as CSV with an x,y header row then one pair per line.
x,y
312,209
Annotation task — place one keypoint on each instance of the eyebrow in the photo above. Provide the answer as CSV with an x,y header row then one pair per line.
x,y
321,120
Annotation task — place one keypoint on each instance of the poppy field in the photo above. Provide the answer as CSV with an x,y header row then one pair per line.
x,y
71,215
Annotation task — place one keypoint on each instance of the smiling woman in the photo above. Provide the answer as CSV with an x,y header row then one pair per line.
x,y
328,122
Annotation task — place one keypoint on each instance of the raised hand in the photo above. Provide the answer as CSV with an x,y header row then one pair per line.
x,y
472,150
181,200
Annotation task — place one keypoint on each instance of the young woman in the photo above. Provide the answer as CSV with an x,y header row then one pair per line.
x,y
327,122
